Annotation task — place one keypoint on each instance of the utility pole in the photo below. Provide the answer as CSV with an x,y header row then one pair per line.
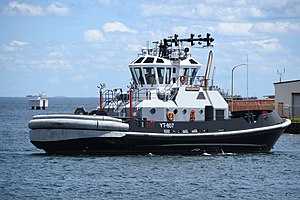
x,y
247,79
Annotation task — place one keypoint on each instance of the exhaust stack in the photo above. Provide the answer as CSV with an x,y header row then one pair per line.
x,y
206,77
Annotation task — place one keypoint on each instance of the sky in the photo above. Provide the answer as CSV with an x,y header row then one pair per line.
x,y
68,47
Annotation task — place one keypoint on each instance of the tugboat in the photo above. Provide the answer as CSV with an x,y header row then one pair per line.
x,y
168,109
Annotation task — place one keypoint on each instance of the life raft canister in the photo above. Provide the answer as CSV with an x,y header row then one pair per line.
x,y
192,116
171,116
182,79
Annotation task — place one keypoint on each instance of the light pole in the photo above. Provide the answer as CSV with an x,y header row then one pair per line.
x,y
232,83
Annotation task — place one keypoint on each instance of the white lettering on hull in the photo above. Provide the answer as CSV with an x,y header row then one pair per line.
x,y
167,125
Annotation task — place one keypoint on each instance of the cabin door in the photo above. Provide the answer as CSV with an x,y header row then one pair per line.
x,y
209,113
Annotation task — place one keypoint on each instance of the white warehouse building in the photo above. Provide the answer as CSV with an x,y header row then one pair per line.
x,y
287,98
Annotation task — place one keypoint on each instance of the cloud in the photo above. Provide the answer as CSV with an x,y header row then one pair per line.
x,y
57,51
82,75
18,43
117,26
26,9
180,29
269,45
174,9
272,4
56,54
237,13
255,12
58,8
134,47
23,64
157,9
93,35
277,27
235,29
206,11
14,8
15,45
55,64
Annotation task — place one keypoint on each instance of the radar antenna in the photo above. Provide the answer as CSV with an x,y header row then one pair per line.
x,y
208,40
167,43
280,73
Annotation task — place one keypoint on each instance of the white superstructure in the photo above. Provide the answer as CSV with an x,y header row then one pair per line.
x,y
38,101
166,85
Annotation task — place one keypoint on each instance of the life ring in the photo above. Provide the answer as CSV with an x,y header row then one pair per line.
x,y
171,116
182,79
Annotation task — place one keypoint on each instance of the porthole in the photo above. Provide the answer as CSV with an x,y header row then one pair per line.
x,y
184,111
152,111
201,111
175,111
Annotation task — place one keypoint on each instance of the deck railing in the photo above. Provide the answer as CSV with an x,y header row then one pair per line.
x,y
252,104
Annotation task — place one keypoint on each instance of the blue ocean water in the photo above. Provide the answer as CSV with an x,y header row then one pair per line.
x,y
27,173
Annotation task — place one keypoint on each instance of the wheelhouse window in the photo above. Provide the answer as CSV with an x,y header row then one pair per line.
x,y
150,75
186,71
168,76
192,61
161,74
186,74
139,76
159,60
193,75
133,77
149,60
139,60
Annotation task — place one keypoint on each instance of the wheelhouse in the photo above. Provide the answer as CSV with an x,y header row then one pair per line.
x,y
149,71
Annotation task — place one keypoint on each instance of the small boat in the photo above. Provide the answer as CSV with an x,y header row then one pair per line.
x,y
38,101
168,109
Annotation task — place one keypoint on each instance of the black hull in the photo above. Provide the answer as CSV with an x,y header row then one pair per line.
x,y
252,142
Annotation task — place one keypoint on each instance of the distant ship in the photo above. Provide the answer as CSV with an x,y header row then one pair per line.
x,y
168,109
38,102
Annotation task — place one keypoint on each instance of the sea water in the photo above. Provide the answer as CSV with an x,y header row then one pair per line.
x,y
28,173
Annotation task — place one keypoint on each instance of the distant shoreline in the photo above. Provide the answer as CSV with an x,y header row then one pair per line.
x,y
47,97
